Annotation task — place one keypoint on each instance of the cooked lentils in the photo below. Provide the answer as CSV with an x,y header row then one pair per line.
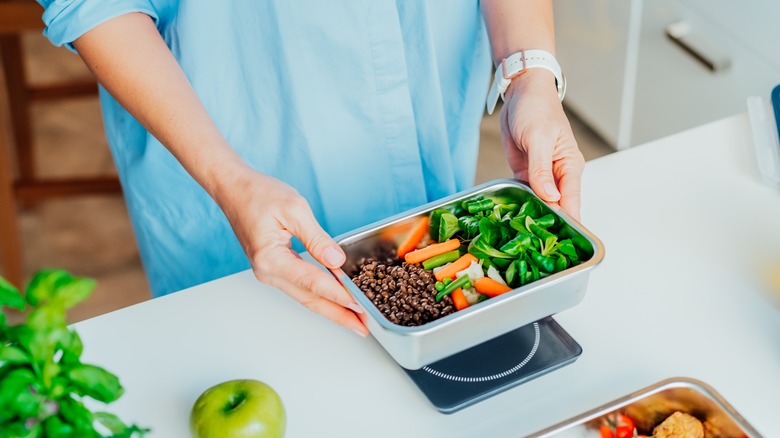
x,y
404,293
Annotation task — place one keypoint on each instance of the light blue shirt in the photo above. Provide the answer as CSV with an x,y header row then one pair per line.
x,y
367,108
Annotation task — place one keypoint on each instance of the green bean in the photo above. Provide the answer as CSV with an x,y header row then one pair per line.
x,y
463,281
441,259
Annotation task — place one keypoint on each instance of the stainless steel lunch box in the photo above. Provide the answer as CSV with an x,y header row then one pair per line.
x,y
650,406
415,347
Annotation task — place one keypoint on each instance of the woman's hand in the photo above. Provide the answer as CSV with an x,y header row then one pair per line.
x,y
265,214
538,141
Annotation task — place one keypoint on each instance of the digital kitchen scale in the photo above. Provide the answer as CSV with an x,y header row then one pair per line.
x,y
492,367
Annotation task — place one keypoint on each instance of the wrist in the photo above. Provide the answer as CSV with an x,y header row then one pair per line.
x,y
538,81
519,67
227,177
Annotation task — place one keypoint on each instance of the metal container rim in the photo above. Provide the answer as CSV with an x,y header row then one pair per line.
x,y
439,324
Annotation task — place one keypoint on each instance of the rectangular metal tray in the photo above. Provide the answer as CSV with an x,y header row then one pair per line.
x,y
648,407
415,347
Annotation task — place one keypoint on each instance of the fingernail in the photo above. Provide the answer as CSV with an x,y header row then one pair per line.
x,y
361,334
354,307
551,190
333,256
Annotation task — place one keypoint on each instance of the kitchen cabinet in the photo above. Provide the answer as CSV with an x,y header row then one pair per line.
x,y
643,69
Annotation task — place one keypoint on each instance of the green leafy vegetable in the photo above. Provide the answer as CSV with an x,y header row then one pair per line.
x,y
469,225
519,244
523,239
448,226
42,378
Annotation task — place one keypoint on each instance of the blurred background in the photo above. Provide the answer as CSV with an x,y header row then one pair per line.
x,y
637,70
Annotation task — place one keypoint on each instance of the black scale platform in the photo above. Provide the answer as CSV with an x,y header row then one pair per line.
x,y
480,372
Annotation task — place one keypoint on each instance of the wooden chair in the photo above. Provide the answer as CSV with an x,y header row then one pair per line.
x,y
17,17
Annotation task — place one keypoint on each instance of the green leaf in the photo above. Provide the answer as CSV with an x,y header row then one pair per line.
x,y
54,427
112,424
107,424
481,249
44,285
490,230
50,371
545,263
504,211
80,418
12,354
95,382
74,292
523,273
41,342
546,221
532,207
15,394
561,263
469,225
511,275
448,226
71,346
584,245
19,430
433,223
567,248
10,296
46,316
519,244
550,246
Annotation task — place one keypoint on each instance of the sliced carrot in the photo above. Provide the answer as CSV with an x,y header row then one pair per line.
x,y
429,251
492,288
459,299
415,236
453,268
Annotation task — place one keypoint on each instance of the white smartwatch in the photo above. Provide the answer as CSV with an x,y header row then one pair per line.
x,y
516,65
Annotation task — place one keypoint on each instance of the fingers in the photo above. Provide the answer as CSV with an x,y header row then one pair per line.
x,y
307,277
540,165
569,182
309,285
324,307
300,221
517,158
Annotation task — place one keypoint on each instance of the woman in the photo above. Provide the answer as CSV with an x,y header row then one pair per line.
x,y
236,126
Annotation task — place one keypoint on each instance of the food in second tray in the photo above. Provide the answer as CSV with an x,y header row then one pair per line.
x,y
469,252
677,425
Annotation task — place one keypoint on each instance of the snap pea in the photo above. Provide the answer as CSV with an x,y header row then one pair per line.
x,y
442,259
481,205
439,286
463,281
447,281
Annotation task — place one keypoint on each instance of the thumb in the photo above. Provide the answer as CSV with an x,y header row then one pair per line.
x,y
300,222
540,172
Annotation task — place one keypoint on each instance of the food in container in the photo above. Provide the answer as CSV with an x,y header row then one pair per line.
x,y
415,343
476,249
678,407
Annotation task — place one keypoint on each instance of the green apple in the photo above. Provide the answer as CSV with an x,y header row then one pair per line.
x,y
238,409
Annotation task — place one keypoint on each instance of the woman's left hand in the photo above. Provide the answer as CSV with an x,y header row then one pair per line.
x,y
538,141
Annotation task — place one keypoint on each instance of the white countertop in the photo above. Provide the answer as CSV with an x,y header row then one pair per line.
x,y
686,225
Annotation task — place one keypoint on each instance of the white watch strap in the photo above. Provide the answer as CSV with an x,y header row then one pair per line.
x,y
514,65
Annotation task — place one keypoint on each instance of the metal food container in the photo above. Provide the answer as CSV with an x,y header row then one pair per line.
x,y
650,406
415,347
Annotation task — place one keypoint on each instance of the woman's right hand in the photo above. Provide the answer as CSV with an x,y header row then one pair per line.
x,y
265,214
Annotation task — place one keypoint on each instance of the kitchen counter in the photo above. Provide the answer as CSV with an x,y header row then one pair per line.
x,y
686,226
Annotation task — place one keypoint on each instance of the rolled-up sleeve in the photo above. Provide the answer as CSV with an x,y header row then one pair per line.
x,y
67,20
